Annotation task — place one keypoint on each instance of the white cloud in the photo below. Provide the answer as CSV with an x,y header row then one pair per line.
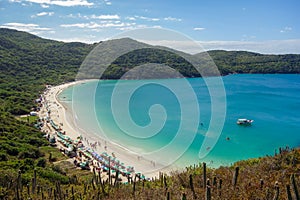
x,y
44,6
66,3
199,29
107,2
286,29
147,18
31,28
93,25
88,17
131,18
43,14
105,17
172,19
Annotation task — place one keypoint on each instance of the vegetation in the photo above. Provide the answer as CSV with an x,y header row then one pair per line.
x,y
271,177
28,63
248,62
30,168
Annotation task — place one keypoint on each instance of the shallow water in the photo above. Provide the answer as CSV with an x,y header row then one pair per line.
x,y
272,101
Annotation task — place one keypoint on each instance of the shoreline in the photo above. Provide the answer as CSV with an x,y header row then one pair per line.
x,y
62,115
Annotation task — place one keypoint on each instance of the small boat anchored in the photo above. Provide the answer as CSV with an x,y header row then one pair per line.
x,y
245,122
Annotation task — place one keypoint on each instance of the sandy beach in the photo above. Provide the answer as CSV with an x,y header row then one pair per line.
x,y
63,116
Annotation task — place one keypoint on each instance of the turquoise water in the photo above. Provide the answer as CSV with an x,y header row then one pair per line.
x,y
272,101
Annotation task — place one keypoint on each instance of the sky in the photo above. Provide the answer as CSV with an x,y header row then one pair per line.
x,y
264,26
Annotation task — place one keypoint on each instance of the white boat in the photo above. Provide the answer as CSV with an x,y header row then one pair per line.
x,y
244,121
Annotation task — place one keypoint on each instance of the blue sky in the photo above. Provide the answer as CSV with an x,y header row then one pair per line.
x,y
266,26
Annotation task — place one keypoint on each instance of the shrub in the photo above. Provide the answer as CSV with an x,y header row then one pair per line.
x,y
3,157
53,176
41,162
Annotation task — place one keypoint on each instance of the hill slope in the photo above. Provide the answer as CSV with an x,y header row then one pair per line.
x,y
28,62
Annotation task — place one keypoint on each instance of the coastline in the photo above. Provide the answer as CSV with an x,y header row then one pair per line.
x,y
63,116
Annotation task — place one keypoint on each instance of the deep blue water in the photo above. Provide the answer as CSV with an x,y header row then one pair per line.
x,y
147,119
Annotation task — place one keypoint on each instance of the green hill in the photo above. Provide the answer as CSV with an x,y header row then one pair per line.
x,y
249,62
28,62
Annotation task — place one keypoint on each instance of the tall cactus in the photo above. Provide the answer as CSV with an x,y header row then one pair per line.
x,y
116,178
73,195
165,181
288,192
168,195
235,176
34,181
95,176
101,183
192,186
208,191
294,186
261,184
134,185
204,175
276,195
183,196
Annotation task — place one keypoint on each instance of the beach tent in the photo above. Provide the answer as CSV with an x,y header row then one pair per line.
x,y
33,113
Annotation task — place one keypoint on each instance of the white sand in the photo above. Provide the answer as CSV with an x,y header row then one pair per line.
x,y
63,117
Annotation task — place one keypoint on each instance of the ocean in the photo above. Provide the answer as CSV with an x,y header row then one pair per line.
x,y
170,120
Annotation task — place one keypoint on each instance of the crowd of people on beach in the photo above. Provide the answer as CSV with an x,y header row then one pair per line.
x,y
85,157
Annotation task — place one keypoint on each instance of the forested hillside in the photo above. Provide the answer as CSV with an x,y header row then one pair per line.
x,y
28,62
249,62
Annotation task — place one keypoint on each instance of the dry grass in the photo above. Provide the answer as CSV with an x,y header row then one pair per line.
x,y
256,180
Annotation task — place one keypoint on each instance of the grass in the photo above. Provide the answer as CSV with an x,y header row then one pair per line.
x,y
28,119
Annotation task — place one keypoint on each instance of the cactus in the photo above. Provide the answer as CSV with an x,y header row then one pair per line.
x,y
161,178
116,178
220,187
276,195
84,188
38,189
235,176
50,157
109,173
294,186
168,196
192,186
261,184
73,196
34,181
28,189
220,184
165,182
215,181
92,183
208,191
204,175
288,192
54,194
58,190
19,181
183,196
19,185
101,183
134,182
95,176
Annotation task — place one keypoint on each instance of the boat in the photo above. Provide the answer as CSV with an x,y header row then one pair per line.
x,y
244,122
